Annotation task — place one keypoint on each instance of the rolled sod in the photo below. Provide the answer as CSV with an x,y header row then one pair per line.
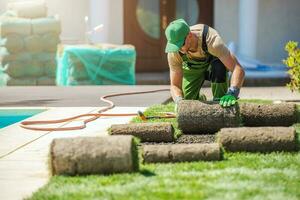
x,y
93,155
258,139
195,117
284,114
181,153
146,132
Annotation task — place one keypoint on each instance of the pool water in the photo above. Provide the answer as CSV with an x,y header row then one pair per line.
x,y
11,116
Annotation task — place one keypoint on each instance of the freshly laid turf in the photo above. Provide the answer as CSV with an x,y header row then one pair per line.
x,y
241,176
238,176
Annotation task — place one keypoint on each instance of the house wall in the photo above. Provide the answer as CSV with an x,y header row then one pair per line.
x,y
278,22
110,14
226,20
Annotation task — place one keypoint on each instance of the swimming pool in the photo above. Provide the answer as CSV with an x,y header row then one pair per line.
x,y
10,116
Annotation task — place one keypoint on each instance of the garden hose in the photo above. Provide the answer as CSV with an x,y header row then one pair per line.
x,y
93,116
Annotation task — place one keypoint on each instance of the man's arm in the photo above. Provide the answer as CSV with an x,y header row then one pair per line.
x,y
237,79
176,84
238,73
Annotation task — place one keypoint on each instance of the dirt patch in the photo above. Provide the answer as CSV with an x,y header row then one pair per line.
x,y
195,117
284,114
93,155
181,153
190,139
146,132
187,139
258,139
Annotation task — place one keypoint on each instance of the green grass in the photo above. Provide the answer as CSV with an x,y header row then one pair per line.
x,y
262,101
238,176
159,110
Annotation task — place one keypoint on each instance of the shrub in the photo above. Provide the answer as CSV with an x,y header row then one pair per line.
x,y
293,63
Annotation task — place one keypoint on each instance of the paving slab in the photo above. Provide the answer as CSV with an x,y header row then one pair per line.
x,y
13,137
89,96
83,96
24,170
18,188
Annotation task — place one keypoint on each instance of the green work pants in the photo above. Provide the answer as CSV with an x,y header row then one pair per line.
x,y
195,72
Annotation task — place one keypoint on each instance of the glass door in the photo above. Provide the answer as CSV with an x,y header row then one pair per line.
x,y
145,22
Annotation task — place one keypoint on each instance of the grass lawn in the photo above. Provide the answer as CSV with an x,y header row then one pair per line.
x,y
238,176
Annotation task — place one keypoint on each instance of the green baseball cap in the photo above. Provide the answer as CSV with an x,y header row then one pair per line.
x,y
175,33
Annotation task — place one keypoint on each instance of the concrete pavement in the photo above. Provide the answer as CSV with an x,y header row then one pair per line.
x,y
89,96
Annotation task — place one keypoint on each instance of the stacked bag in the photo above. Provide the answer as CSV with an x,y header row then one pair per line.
x,y
28,45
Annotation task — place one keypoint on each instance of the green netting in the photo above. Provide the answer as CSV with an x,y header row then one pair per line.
x,y
88,65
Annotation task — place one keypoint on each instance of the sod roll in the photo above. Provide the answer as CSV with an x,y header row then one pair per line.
x,y
50,69
93,155
6,57
20,81
181,153
258,139
146,132
25,69
45,81
45,25
14,43
14,25
284,114
195,117
34,43
28,9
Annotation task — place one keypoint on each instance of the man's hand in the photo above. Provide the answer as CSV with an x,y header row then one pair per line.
x,y
228,100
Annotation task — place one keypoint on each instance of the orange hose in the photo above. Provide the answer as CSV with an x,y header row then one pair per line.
x,y
25,124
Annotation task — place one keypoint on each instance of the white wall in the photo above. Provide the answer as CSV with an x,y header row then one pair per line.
x,y
248,20
110,14
226,20
279,22
72,14
117,22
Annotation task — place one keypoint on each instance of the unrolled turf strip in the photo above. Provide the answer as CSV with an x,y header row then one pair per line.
x,y
195,117
93,155
258,139
284,114
181,153
146,132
